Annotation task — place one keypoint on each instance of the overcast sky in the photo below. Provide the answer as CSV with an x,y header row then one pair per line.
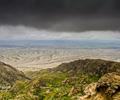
x,y
59,19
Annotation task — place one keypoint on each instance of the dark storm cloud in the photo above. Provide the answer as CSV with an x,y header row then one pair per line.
x,y
81,6
62,15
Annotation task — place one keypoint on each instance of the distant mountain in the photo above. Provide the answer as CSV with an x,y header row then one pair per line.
x,y
113,44
9,75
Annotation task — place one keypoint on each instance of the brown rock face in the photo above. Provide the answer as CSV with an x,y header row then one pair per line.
x,y
107,88
73,91
90,89
109,84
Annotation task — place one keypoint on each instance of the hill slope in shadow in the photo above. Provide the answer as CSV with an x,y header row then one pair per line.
x,y
9,75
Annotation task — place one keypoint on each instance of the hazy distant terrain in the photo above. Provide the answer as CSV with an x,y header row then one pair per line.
x,y
41,57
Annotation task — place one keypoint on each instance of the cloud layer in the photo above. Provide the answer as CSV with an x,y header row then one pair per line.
x,y
30,33
82,6
59,19
62,15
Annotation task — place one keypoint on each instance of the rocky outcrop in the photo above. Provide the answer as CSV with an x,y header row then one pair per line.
x,y
109,84
107,88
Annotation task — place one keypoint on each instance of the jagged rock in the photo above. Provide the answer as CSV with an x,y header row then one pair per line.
x,y
90,89
73,91
109,83
116,96
107,88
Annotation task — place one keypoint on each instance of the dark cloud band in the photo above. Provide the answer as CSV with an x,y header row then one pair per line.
x,y
62,15
79,6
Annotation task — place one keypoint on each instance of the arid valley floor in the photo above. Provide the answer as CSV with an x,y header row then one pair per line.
x,y
26,59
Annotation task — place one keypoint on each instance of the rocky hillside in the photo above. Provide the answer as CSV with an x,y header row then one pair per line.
x,y
8,75
90,79
107,88
90,66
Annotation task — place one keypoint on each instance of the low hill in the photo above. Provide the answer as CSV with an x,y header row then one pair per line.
x,y
9,75
90,66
